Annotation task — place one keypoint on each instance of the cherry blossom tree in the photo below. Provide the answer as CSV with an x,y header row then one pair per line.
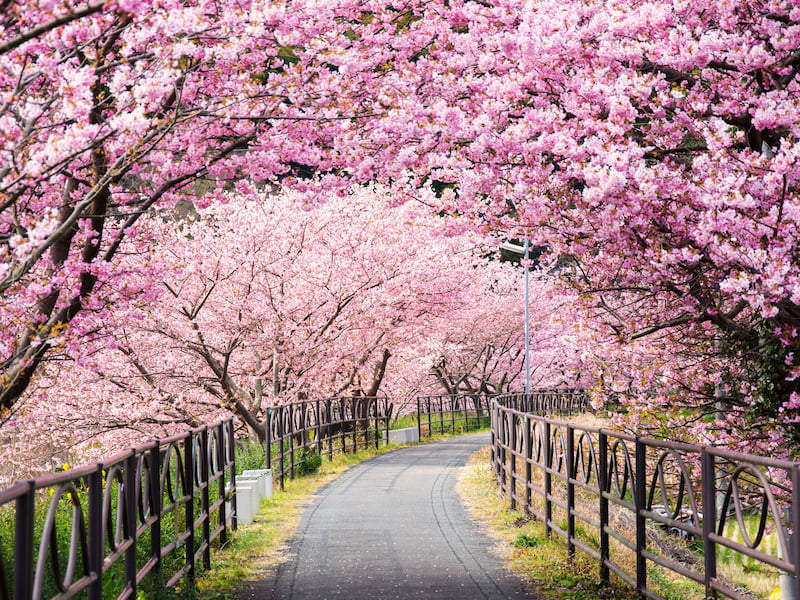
x,y
654,143
481,348
108,109
265,300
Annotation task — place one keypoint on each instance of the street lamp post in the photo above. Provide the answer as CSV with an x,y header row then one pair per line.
x,y
524,251
527,324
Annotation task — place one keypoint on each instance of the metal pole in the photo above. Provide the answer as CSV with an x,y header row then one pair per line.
x,y
603,486
527,326
96,542
640,491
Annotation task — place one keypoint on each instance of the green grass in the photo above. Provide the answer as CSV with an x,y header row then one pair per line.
x,y
443,422
403,421
448,422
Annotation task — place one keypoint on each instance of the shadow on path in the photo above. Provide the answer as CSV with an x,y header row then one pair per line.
x,y
393,527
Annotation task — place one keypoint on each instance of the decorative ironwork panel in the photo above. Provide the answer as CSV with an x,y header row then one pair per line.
x,y
649,502
71,528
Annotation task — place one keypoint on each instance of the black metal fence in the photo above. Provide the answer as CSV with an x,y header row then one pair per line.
x,y
148,515
557,401
450,413
322,427
650,509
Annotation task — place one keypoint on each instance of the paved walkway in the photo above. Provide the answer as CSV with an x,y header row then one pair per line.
x,y
393,527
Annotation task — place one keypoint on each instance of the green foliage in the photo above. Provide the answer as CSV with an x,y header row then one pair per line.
x,y
155,589
525,540
672,588
403,421
761,361
288,55
457,422
310,462
250,455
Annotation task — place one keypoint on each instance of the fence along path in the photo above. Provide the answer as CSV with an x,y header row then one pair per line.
x,y
150,515
339,424
613,496
145,517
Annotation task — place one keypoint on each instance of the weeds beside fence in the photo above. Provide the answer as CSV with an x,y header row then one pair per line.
x,y
145,518
658,515
299,432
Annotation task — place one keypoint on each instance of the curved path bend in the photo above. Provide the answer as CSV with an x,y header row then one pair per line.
x,y
393,527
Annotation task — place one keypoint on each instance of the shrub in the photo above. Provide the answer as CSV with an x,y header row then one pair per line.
x,y
310,462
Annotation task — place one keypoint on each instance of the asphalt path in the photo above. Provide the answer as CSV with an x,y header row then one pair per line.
x,y
393,527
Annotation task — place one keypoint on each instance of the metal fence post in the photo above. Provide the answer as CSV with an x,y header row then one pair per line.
x,y
318,417
23,546
96,526
430,424
268,436
205,470
281,434
419,418
503,431
231,450
290,412
377,416
641,523
570,492
526,433
303,426
356,406
223,463
603,485
155,506
329,419
709,487
512,482
548,483
129,515
387,416
189,483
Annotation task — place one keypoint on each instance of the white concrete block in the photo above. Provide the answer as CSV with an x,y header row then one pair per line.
x,y
248,501
265,478
407,435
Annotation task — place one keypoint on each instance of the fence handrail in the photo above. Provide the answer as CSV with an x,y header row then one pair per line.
x,y
698,491
174,495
